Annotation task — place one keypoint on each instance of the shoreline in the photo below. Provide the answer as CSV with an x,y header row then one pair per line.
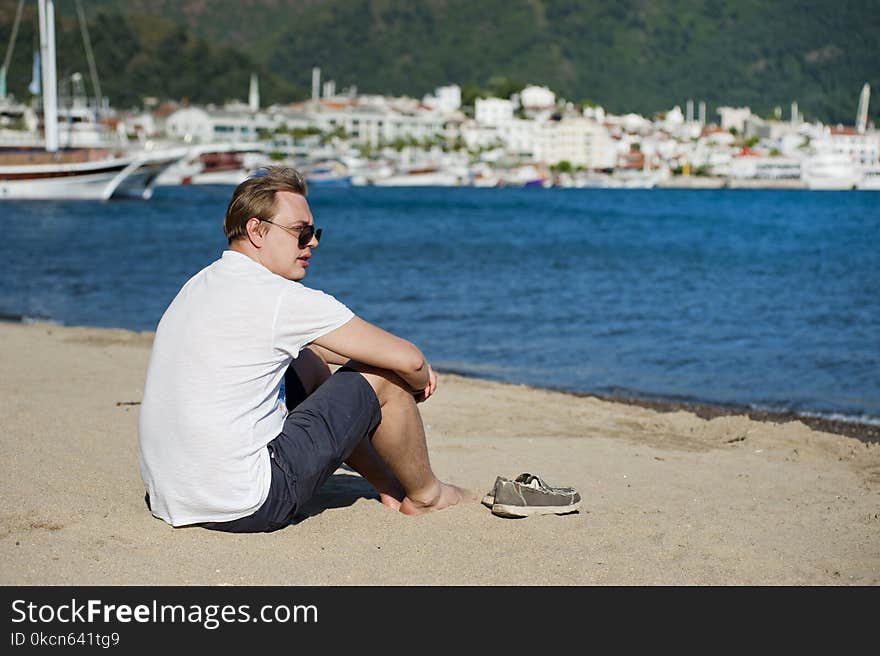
x,y
724,182
862,431
867,433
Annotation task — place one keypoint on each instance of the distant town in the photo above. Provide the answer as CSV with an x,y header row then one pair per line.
x,y
532,138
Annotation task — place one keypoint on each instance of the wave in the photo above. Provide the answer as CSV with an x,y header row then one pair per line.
x,y
26,319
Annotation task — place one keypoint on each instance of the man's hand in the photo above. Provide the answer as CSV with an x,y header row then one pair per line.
x,y
430,388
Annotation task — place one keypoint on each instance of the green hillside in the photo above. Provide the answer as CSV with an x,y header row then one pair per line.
x,y
138,56
627,55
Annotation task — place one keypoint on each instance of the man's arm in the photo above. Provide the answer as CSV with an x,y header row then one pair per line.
x,y
329,357
362,341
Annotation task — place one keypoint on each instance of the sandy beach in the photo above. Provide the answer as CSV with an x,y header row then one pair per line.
x,y
668,497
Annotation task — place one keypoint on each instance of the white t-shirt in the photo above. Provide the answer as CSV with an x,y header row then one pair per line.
x,y
211,399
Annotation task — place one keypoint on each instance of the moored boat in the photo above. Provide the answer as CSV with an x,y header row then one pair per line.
x,y
328,174
830,172
870,178
76,173
428,176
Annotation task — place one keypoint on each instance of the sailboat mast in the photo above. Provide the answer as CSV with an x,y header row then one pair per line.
x,y
50,86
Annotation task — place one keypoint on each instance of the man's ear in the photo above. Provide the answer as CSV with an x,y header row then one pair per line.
x,y
253,231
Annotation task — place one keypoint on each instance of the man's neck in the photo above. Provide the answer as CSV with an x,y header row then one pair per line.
x,y
245,247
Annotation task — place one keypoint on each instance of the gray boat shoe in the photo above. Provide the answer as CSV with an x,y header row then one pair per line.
x,y
529,495
489,498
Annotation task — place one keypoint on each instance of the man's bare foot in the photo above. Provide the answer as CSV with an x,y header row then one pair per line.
x,y
391,500
447,495
391,492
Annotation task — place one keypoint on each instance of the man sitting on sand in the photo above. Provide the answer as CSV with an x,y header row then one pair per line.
x,y
218,446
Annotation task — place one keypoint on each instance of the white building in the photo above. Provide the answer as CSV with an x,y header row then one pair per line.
x,y
734,117
596,113
792,144
577,140
536,98
863,148
673,119
445,100
717,137
493,111
373,123
633,123
764,168
519,137
142,125
684,127
235,122
190,124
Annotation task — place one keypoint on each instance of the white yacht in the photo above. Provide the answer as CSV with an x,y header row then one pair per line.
x,y
425,176
830,171
870,178
84,174
216,164
55,172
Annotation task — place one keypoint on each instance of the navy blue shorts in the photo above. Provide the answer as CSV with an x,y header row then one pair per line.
x,y
319,434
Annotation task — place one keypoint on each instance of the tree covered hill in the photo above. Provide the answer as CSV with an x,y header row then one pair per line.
x,y
138,56
627,55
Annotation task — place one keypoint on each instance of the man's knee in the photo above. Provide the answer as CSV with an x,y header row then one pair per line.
x,y
387,384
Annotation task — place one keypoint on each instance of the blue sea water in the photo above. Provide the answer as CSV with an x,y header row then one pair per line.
x,y
762,298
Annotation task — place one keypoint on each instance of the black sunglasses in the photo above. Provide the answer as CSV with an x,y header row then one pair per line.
x,y
303,235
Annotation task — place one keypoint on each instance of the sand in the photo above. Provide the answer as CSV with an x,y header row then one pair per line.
x,y
668,497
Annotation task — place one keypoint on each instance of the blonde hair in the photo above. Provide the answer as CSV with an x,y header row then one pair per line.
x,y
255,197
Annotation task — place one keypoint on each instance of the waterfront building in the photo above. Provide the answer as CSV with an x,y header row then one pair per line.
x,y
190,124
518,135
535,99
862,148
595,112
370,120
493,111
673,120
445,100
514,136
209,124
734,117
753,166
715,136
413,133
577,140
629,123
